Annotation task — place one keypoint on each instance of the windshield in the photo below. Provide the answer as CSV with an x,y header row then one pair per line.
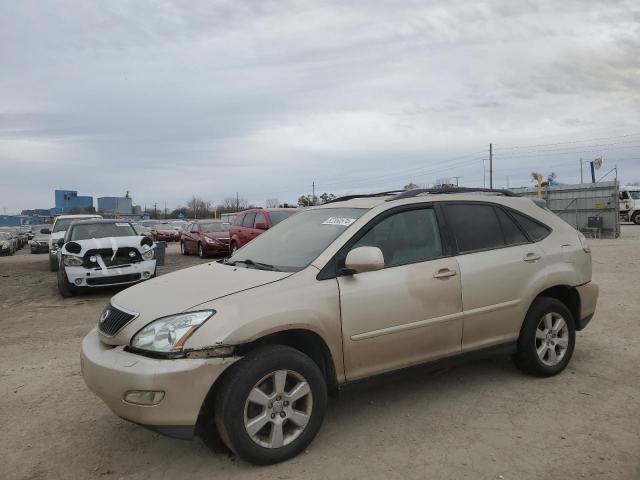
x,y
277,217
102,230
214,227
635,194
294,244
62,224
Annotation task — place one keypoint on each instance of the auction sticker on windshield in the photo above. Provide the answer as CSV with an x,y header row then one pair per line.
x,y
342,221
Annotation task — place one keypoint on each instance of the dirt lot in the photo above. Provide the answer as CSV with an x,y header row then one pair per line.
x,y
483,420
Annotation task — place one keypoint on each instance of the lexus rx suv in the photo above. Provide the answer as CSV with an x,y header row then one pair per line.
x,y
243,351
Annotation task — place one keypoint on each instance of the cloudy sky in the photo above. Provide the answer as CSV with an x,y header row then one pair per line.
x,y
170,99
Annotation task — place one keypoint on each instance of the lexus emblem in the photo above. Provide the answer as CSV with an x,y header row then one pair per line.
x,y
104,315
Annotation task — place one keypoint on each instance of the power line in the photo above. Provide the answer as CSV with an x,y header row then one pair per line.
x,y
568,142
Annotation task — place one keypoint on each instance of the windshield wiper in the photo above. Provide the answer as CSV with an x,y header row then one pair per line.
x,y
250,263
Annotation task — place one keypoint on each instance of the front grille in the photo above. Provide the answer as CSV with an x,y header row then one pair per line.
x,y
122,257
112,280
113,320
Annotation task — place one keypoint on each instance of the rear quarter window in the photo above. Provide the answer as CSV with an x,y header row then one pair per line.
x,y
534,229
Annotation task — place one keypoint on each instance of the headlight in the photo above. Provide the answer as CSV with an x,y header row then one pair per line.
x,y
168,334
210,240
148,255
71,261
5,245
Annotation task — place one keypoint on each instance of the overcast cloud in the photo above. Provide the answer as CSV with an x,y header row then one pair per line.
x,y
170,99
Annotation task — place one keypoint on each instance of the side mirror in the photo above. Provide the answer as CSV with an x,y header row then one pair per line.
x,y
262,226
364,259
45,231
60,242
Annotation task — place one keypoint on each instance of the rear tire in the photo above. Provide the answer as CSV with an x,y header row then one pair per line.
x,y
547,338
270,404
64,287
636,218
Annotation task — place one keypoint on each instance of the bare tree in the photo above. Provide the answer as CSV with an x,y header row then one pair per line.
x,y
199,208
232,204
272,203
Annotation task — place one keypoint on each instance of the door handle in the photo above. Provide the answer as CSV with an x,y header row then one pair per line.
x,y
444,273
531,257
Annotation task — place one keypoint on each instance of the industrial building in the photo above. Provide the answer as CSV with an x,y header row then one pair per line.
x,y
68,200
115,205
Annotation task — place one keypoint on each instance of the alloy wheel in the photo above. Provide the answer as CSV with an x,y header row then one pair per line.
x,y
552,339
278,409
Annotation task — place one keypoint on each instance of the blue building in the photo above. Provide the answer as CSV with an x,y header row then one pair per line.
x,y
117,205
13,220
66,200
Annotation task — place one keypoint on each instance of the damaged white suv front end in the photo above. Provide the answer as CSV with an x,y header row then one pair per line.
x,y
104,261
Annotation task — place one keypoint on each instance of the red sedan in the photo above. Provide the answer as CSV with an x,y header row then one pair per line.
x,y
249,224
205,237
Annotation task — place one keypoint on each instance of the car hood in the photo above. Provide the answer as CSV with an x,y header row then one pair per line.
x,y
184,290
217,234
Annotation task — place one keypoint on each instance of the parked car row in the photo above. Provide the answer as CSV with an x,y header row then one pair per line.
x,y
13,239
244,351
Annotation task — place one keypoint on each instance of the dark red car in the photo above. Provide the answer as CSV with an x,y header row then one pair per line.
x,y
249,224
165,232
205,237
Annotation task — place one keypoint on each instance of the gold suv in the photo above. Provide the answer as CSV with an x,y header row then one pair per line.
x,y
243,351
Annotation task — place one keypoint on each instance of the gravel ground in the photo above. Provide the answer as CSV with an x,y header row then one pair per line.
x,y
478,421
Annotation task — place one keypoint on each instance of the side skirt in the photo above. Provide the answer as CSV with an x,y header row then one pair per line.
x,y
425,368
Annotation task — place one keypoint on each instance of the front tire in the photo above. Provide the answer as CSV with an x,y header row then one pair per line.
x,y
270,404
183,249
201,253
636,218
547,339
66,290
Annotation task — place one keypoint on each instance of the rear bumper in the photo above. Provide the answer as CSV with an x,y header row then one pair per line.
x,y
588,299
110,372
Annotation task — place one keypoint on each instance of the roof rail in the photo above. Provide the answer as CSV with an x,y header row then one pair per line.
x,y
363,195
435,191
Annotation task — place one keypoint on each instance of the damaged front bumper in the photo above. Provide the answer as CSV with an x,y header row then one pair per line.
x,y
115,275
112,372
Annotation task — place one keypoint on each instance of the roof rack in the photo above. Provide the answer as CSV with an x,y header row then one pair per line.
x,y
435,191
364,195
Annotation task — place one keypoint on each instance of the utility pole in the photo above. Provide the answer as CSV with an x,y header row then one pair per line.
x,y
491,166
581,177
165,209
155,210
237,202
457,178
484,174
313,193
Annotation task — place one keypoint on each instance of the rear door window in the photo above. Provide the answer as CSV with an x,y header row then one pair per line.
x,y
535,230
512,233
474,227
238,219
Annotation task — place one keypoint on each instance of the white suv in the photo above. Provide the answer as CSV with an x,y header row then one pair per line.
x,y
58,229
